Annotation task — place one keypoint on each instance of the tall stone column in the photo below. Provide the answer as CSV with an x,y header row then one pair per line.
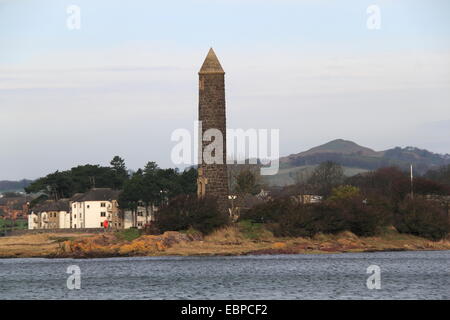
x,y
213,178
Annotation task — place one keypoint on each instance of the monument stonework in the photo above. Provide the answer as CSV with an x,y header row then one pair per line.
x,y
212,178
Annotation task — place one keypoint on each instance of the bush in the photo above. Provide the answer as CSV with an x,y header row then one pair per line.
x,y
363,217
344,192
187,211
128,234
268,212
422,218
254,231
287,218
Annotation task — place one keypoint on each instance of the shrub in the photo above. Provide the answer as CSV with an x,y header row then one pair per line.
x,y
187,211
344,192
287,218
254,231
422,218
363,217
268,212
128,234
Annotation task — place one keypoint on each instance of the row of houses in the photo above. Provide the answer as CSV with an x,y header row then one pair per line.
x,y
97,208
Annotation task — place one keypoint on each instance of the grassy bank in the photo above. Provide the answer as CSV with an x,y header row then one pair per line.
x,y
234,240
35,245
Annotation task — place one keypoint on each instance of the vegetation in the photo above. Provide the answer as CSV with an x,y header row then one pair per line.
x,y
150,185
440,175
228,240
128,234
422,218
246,183
8,224
187,211
64,184
365,204
254,231
355,159
325,177
155,187
295,219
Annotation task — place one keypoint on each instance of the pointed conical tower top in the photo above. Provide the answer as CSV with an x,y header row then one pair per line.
x,y
211,64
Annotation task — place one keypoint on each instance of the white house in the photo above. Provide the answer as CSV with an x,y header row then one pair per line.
x,y
89,210
93,208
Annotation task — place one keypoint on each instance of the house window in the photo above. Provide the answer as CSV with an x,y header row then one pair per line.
x,y
74,205
102,214
87,206
140,214
101,224
75,226
103,204
74,216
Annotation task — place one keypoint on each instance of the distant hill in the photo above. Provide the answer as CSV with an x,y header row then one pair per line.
x,y
6,185
354,159
337,146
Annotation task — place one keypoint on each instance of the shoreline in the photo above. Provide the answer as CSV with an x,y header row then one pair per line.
x,y
258,253
262,253
225,242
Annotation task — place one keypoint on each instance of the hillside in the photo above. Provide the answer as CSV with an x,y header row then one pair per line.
x,y
6,185
336,146
355,159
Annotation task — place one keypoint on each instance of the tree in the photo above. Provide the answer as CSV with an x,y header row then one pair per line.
x,y
118,164
325,177
64,184
188,211
188,181
389,182
422,218
246,183
150,169
151,193
344,192
132,194
441,175
426,186
120,172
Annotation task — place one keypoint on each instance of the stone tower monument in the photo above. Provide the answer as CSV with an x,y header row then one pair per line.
x,y
212,178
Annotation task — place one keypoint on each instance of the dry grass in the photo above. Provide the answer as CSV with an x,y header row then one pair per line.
x,y
232,240
33,245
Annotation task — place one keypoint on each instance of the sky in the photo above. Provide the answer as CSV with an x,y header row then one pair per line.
x,y
127,78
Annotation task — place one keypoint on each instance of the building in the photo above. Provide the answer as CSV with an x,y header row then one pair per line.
x,y
50,215
140,218
89,210
93,208
307,198
14,207
212,177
